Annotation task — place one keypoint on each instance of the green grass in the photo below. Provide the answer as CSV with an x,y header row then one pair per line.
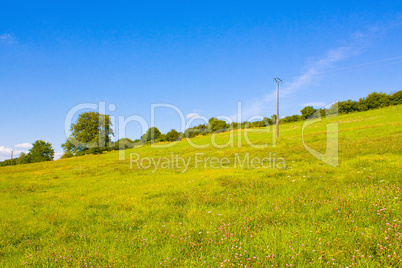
x,y
96,211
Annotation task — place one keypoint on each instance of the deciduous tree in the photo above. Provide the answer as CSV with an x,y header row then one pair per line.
x,y
91,133
40,151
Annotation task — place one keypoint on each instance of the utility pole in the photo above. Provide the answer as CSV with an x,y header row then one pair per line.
x,y
12,152
277,81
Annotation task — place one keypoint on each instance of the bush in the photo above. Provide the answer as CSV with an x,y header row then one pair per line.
x,y
67,155
151,135
215,125
307,112
124,143
349,106
172,135
396,98
373,101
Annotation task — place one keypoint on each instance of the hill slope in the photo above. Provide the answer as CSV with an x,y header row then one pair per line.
x,y
97,211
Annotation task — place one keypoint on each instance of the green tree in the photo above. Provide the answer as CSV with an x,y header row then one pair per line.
x,y
66,154
348,106
396,98
40,151
124,143
172,135
292,118
374,100
151,135
307,112
90,134
273,119
196,130
162,137
215,125
23,159
267,121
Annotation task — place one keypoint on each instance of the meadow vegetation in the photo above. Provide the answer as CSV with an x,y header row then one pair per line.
x,y
92,132
96,211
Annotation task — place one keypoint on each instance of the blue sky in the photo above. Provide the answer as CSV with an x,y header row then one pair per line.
x,y
201,56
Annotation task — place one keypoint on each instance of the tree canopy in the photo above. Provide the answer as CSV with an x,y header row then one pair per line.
x,y
172,135
40,151
151,135
216,125
124,143
90,134
307,112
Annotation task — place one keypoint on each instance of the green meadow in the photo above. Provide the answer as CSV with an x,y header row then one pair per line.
x,y
290,210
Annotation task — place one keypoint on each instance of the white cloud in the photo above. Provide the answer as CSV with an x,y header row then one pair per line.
x,y
257,107
23,145
358,42
7,38
332,56
4,150
5,153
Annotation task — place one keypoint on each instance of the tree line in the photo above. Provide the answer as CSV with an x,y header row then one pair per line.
x,y
372,101
41,151
90,124
91,134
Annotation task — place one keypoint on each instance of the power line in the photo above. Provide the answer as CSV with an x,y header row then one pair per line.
x,y
351,66
289,78
359,65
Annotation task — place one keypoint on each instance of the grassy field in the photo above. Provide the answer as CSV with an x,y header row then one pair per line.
x,y
96,211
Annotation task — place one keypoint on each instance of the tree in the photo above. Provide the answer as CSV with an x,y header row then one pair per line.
x,y
172,135
66,155
273,119
151,135
292,118
348,106
374,100
90,134
396,98
267,121
40,151
307,112
215,125
124,143
23,159
162,137
8,162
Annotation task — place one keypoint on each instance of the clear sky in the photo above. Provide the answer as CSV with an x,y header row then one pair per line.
x,y
201,56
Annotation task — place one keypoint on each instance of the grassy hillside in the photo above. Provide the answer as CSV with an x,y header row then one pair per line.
x,y
95,211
